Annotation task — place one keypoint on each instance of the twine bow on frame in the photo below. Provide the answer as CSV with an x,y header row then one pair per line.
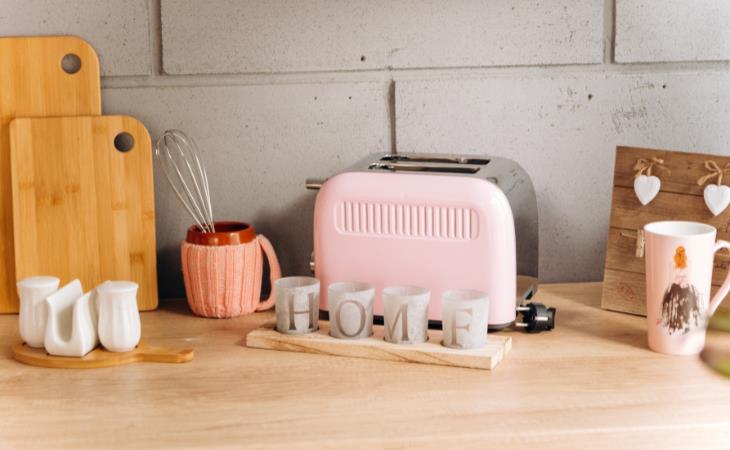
x,y
715,171
717,196
644,166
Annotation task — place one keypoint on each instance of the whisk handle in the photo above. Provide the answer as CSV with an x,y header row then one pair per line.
x,y
275,271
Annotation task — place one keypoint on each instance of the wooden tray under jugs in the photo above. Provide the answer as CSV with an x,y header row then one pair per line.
x,y
99,357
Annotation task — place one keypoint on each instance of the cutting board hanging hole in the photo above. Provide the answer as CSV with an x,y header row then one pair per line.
x,y
71,63
124,142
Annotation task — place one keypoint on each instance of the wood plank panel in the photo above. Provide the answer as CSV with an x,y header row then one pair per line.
x,y
683,169
621,256
627,291
628,213
680,198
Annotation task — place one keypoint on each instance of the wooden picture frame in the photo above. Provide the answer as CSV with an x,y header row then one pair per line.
x,y
679,198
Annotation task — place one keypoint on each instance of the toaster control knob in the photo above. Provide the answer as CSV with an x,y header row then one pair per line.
x,y
311,262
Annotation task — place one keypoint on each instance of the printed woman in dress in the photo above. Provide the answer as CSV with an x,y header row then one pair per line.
x,y
681,304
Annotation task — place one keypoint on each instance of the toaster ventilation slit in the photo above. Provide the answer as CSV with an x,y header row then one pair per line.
x,y
444,223
467,222
429,221
378,219
370,214
389,219
421,220
406,221
436,214
363,218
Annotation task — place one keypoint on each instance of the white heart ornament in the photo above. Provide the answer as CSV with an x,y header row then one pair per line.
x,y
646,188
717,198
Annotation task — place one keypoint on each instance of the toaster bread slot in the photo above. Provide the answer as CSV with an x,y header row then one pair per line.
x,y
432,158
425,167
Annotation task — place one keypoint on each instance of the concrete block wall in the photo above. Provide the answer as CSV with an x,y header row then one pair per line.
x,y
276,91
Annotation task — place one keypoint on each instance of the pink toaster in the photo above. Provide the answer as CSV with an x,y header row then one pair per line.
x,y
440,221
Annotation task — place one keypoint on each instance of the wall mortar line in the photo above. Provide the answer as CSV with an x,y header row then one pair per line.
x,y
155,28
609,30
377,75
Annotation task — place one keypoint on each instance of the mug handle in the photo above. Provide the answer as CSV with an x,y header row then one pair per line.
x,y
275,271
725,288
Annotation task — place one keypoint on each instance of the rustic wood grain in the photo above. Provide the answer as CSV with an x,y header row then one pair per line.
x,y
628,213
621,255
32,84
591,383
680,198
100,357
683,168
82,209
374,347
624,292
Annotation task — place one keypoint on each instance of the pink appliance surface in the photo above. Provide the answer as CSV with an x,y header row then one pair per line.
x,y
437,230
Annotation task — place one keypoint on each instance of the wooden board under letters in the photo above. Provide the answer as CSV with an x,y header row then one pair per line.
x,y
680,198
374,347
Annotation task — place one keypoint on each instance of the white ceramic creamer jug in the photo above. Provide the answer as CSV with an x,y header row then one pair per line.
x,y
119,324
33,312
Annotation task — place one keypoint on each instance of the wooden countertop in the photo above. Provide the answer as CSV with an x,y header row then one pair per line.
x,y
590,383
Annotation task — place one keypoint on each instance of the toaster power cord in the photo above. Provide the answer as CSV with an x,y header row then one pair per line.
x,y
536,317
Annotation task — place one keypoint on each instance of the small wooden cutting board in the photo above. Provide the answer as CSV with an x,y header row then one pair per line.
x,y
33,83
374,347
82,208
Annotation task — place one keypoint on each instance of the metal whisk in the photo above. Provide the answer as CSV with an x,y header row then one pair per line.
x,y
179,157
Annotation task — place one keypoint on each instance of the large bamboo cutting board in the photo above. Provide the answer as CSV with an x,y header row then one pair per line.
x,y
33,83
679,198
82,208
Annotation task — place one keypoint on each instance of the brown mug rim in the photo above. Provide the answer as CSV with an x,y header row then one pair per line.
x,y
226,233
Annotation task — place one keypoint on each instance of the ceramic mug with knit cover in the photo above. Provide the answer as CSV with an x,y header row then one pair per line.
x,y
223,270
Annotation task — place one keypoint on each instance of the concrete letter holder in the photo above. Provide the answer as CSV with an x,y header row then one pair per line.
x,y
351,310
465,317
405,314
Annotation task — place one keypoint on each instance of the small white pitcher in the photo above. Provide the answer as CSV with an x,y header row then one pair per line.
x,y
72,322
33,312
119,324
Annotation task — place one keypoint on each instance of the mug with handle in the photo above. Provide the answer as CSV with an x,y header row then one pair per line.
x,y
223,270
679,263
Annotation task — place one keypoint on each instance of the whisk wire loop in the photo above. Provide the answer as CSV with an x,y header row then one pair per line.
x,y
179,157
